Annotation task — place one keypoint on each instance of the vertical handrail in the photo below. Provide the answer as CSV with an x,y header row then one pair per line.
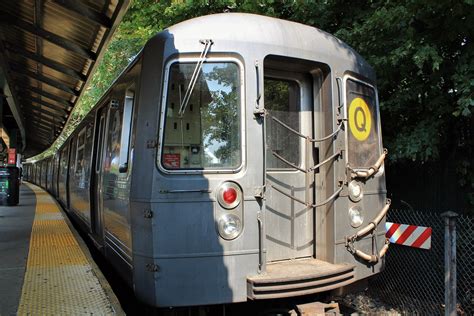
x,y
260,115
308,175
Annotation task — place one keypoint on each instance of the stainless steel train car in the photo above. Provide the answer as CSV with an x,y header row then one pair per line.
x,y
238,157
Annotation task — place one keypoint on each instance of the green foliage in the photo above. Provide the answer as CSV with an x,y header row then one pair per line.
x,y
421,50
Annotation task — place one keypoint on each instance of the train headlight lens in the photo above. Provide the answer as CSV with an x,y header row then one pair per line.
x,y
355,191
230,226
229,195
355,214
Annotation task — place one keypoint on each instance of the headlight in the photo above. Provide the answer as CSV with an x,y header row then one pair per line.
x,y
229,226
355,191
355,214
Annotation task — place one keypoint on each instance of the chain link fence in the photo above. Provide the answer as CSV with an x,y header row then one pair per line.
x,y
413,279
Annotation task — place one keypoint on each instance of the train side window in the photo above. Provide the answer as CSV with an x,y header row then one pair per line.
x,y
73,160
100,143
63,167
126,129
79,163
80,150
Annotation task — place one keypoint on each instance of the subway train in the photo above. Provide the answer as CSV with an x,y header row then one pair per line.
x,y
237,158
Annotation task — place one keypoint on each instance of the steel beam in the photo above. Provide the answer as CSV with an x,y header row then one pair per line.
x,y
44,132
38,119
44,103
61,118
91,15
9,20
38,113
18,69
46,62
40,128
41,115
68,104
42,125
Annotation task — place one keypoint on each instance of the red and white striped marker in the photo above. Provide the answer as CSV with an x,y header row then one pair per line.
x,y
409,235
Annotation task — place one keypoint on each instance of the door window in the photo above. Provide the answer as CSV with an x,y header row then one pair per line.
x,y
282,100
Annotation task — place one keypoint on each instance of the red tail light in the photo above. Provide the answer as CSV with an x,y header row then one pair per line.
x,y
229,195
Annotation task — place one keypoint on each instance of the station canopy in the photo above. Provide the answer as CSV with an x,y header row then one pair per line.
x,y
48,51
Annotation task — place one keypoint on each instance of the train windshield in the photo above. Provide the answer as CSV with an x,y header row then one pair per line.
x,y
205,132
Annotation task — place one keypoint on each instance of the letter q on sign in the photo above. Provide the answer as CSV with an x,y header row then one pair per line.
x,y
360,119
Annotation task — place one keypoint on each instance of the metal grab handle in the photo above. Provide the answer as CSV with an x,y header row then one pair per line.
x,y
313,140
260,242
335,156
186,191
311,169
372,169
329,199
373,258
289,163
288,195
373,224
337,130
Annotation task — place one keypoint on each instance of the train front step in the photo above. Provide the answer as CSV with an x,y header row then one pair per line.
x,y
298,277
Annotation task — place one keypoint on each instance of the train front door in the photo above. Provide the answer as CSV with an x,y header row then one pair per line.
x,y
289,223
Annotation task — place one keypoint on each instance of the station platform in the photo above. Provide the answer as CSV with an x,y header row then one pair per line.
x,y
45,267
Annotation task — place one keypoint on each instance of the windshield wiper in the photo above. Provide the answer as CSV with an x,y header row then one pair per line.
x,y
187,95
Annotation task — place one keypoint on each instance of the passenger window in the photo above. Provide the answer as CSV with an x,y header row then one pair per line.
x,y
282,101
80,150
73,160
100,143
80,171
126,129
203,133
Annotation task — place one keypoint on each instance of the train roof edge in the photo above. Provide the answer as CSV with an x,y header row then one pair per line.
x,y
273,31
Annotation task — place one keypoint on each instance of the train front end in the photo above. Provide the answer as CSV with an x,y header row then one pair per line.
x,y
268,176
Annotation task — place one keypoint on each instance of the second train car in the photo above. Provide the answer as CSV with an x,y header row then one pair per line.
x,y
238,157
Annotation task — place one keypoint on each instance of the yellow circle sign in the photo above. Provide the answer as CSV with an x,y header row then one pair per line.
x,y
360,119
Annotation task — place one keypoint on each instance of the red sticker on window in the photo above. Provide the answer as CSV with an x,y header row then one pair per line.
x,y
172,160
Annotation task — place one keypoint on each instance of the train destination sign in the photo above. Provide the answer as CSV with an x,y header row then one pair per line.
x,y
360,119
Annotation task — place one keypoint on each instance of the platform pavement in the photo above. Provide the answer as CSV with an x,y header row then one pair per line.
x,y
45,268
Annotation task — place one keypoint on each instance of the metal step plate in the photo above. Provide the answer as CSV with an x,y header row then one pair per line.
x,y
298,277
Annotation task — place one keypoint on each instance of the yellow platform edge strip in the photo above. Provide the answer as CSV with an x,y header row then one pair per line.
x,y
59,280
